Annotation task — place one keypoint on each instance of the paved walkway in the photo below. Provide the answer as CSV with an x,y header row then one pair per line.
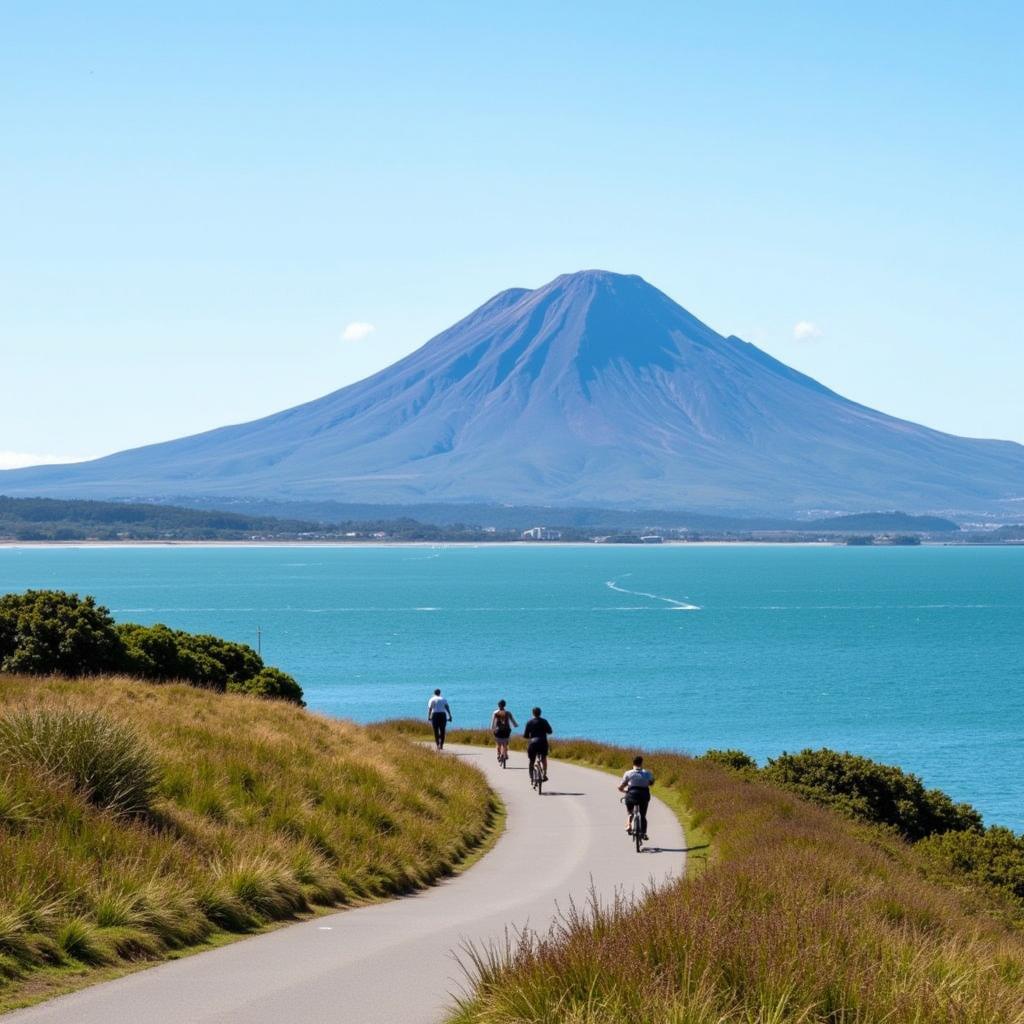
x,y
393,962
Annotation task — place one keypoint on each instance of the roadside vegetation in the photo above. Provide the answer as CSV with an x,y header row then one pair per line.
x,y
139,820
51,631
950,838
805,914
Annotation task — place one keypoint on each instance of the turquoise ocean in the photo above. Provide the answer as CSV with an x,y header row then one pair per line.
x,y
912,656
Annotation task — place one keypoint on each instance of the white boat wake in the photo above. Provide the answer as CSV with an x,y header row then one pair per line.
x,y
674,605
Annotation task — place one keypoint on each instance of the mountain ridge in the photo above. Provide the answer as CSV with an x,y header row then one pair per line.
x,y
596,388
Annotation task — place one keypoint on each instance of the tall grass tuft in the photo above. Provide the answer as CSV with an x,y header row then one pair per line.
x,y
135,820
101,758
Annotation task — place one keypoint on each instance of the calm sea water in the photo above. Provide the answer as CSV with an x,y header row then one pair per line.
x,y
913,656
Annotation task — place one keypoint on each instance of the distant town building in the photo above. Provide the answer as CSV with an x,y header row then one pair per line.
x,y
541,533
651,538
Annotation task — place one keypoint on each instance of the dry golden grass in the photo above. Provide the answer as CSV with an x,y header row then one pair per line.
x,y
802,917
241,812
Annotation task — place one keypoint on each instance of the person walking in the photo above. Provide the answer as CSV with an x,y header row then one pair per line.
x,y
502,723
439,714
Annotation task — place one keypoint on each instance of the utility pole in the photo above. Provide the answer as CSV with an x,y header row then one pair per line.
x,y
259,641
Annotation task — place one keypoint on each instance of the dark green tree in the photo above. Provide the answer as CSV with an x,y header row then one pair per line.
x,y
44,631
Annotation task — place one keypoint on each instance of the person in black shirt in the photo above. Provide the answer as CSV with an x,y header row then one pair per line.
x,y
537,732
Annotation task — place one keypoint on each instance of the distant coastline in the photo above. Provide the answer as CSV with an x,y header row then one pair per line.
x,y
444,544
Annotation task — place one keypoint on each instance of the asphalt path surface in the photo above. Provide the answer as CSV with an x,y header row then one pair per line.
x,y
395,962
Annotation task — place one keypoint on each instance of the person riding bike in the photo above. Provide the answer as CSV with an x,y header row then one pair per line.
x,y
636,784
502,723
537,732
439,714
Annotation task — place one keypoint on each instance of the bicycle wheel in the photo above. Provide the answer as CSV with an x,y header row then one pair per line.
x,y
638,832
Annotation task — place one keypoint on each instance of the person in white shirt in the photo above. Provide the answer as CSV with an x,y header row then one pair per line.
x,y
439,714
636,784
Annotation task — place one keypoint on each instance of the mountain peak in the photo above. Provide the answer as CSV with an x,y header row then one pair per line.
x,y
593,389
594,276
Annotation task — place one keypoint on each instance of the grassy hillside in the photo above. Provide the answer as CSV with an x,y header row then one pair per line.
x,y
802,916
138,819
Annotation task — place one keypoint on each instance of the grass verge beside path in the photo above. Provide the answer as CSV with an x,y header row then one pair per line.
x,y
803,917
138,821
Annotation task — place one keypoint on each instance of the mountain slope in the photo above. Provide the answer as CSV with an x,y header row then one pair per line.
x,y
596,388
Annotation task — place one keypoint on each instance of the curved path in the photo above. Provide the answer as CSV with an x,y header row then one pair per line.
x,y
393,962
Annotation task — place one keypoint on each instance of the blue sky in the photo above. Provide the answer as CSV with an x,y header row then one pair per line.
x,y
196,200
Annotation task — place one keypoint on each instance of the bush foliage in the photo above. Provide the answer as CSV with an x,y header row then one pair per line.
x,y
880,793
737,760
46,631
992,858
270,683
43,632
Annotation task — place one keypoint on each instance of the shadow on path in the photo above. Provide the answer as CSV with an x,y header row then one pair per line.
x,y
674,849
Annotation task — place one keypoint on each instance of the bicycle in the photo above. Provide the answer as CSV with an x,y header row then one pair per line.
x,y
537,776
636,826
503,759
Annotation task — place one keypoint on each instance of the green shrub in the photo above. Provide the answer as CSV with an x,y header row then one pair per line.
x,y
47,631
271,683
217,663
98,757
737,760
994,857
160,653
151,652
879,793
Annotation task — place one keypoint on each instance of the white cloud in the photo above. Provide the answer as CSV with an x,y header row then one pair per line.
x,y
806,330
18,460
357,330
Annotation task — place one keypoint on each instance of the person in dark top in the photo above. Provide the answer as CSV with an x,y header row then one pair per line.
x,y
537,732
502,722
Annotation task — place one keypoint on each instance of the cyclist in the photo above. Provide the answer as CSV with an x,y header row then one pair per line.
x,y
439,714
537,732
636,784
502,723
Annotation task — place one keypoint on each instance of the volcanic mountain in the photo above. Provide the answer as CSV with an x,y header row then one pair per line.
x,y
596,389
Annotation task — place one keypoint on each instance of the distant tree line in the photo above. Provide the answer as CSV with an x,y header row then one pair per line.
x,y
43,632
52,519
49,519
